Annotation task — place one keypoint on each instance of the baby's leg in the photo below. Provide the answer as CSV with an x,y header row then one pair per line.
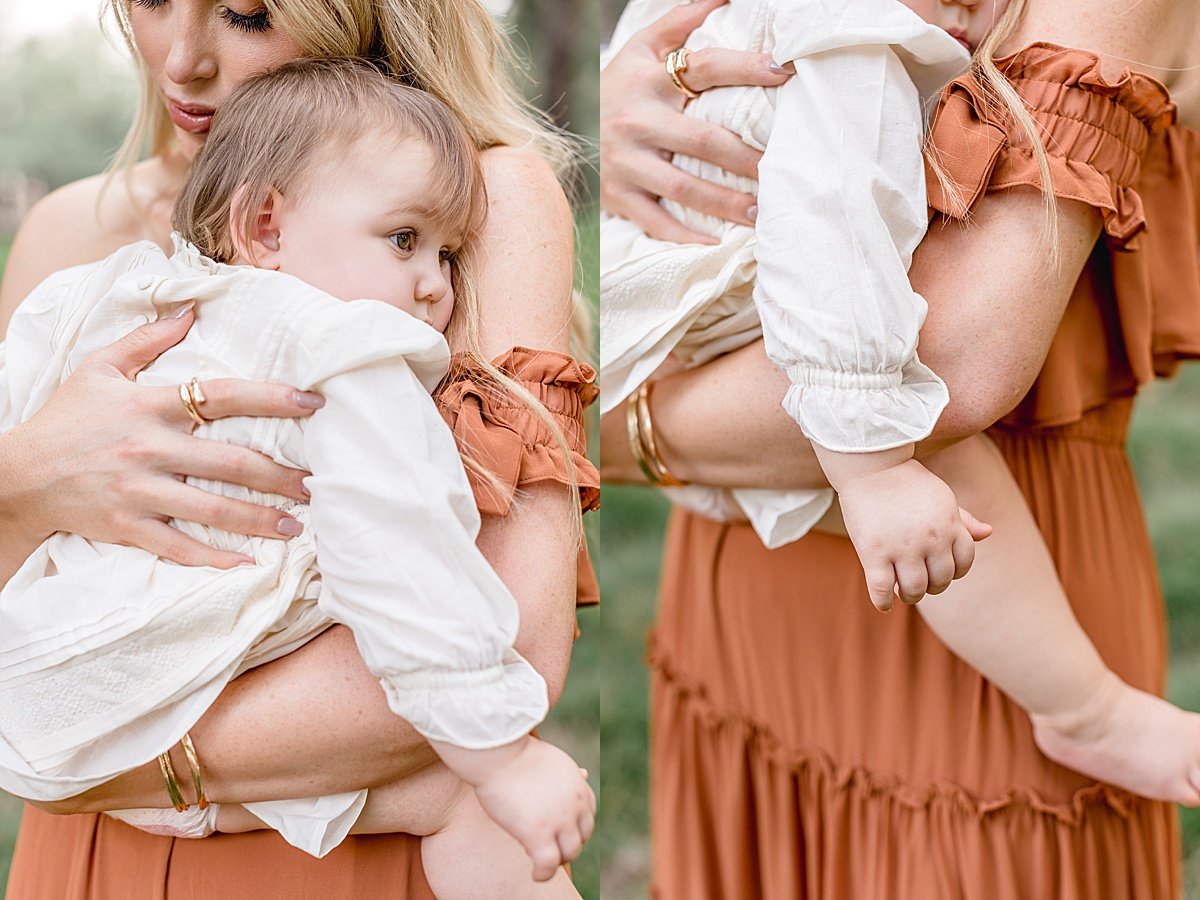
x,y
466,855
1010,619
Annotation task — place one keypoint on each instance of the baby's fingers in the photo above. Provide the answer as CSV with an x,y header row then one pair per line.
x,y
546,860
963,551
570,843
881,579
976,528
912,581
940,570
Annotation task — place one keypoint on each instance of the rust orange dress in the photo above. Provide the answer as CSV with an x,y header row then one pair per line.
x,y
805,747
94,857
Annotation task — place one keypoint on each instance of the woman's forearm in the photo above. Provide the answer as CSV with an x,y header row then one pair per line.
x,y
314,722
18,539
994,305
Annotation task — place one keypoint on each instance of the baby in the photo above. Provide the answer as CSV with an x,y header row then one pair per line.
x,y
322,182
822,278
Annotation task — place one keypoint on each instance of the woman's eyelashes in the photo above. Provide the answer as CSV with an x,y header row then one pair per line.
x,y
255,22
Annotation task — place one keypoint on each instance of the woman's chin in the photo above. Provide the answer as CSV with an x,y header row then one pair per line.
x,y
189,143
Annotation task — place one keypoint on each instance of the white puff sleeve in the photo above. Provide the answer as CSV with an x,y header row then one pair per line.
x,y
841,209
396,523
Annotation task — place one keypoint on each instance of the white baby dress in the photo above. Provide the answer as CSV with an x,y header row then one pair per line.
x,y
108,654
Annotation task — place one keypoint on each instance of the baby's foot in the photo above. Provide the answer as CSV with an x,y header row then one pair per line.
x,y
1130,739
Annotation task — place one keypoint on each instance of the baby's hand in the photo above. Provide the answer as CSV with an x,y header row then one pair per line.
x,y
909,531
542,798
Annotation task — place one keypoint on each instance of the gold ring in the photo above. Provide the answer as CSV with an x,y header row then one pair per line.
x,y
187,394
197,392
676,63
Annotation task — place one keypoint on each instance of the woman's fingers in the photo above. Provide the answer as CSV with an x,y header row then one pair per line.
x,y
714,144
672,29
656,221
217,461
716,67
224,397
195,505
171,543
672,183
145,344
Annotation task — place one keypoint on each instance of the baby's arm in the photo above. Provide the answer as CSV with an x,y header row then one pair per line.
x,y
842,208
396,525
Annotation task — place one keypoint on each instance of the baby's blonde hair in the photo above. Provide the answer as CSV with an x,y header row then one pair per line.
x,y
276,129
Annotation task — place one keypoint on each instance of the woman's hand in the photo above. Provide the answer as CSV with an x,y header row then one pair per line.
x,y
641,126
105,459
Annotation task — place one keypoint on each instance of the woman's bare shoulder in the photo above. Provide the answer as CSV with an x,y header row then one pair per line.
x,y
1160,38
528,267
82,222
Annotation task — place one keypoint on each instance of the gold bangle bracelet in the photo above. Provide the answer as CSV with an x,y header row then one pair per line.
x,y
635,437
641,439
189,750
164,763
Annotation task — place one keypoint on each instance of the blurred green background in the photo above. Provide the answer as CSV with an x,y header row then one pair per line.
x,y
67,99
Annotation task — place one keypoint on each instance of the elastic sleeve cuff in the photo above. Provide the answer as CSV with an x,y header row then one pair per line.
x,y
476,710
863,413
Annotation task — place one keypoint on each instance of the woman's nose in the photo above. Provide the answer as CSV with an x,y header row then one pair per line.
x,y
192,55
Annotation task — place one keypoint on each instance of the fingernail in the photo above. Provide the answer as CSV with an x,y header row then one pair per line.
x,y
306,492
248,564
309,400
752,213
289,527
182,310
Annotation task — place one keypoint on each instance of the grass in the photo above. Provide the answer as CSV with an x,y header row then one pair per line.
x,y
1164,443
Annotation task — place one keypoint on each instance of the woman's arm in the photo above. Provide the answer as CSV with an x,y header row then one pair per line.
x,y
994,305
317,721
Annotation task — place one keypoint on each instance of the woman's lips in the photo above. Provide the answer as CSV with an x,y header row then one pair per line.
x,y
193,117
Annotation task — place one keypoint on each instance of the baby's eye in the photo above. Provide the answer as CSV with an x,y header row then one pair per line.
x,y
404,241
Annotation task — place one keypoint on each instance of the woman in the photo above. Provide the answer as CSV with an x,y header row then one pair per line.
x,y
314,721
839,754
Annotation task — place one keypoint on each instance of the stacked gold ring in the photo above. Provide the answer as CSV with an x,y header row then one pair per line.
x,y
192,396
676,63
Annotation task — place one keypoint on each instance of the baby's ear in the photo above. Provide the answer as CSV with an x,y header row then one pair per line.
x,y
255,232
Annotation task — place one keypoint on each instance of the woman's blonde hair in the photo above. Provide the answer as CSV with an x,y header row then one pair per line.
x,y
1001,95
451,49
